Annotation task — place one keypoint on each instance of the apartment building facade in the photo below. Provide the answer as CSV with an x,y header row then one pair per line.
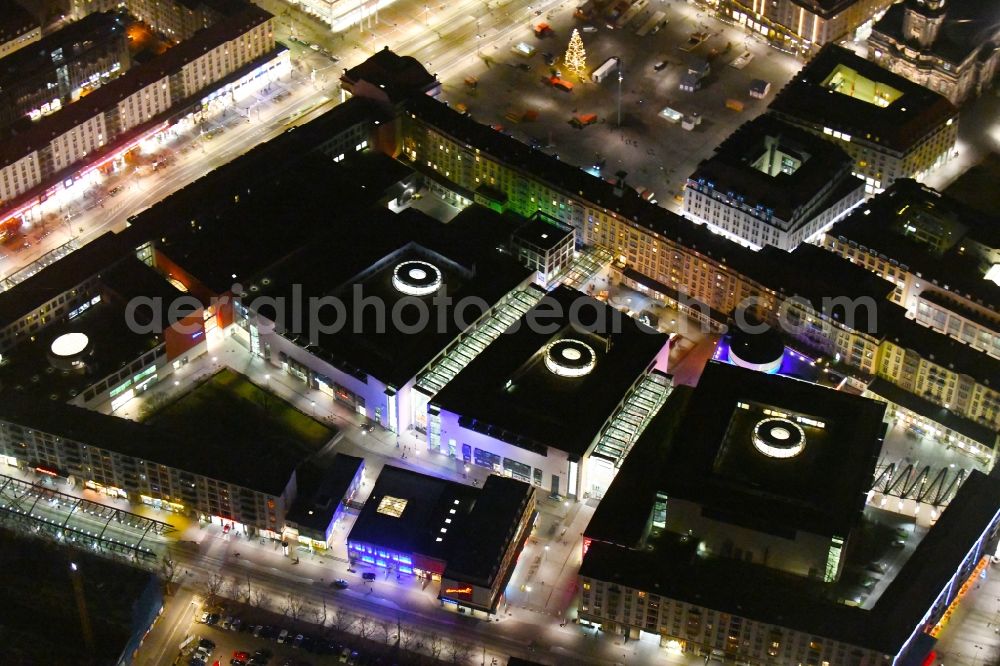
x,y
106,461
62,67
159,91
803,26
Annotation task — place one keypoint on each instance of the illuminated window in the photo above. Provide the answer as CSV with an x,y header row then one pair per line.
x,y
391,506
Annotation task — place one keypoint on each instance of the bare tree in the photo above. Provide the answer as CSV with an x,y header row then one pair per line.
x,y
342,619
292,607
321,614
407,638
459,653
168,573
258,598
238,591
365,626
435,645
386,629
213,585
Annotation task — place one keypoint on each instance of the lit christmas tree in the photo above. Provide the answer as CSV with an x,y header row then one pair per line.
x,y
576,57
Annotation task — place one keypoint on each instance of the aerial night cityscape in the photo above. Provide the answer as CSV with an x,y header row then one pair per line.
x,y
488,332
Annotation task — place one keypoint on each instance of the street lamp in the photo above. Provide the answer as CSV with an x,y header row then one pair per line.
x,y
620,77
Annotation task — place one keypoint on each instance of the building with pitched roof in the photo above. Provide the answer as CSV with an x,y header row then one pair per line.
x,y
949,46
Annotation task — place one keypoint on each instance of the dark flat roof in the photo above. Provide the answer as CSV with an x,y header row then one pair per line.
x,y
876,226
983,434
470,265
321,490
976,187
40,616
673,569
899,126
68,272
15,20
508,393
131,278
219,249
792,197
822,490
74,39
542,233
27,369
492,522
262,467
429,500
477,535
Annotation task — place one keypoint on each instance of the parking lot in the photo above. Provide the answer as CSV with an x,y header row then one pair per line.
x,y
656,153
245,636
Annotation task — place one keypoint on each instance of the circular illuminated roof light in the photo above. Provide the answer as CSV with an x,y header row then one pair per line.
x,y
779,438
416,278
69,344
570,358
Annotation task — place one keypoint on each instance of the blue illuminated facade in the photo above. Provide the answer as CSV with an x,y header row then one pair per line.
x,y
380,557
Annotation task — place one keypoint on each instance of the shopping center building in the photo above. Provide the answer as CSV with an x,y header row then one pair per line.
x,y
507,409
738,530
467,538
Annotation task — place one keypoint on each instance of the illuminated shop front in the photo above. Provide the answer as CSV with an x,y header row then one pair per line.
x,y
162,504
110,491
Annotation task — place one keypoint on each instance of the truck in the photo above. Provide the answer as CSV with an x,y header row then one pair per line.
x,y
609,67
560,84
543,30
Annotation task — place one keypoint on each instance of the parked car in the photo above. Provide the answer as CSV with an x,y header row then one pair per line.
x,y
660,66
297,641
235,626
369,576
283,635
589,28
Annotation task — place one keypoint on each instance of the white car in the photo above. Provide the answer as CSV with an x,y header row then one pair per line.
x,y
283,636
